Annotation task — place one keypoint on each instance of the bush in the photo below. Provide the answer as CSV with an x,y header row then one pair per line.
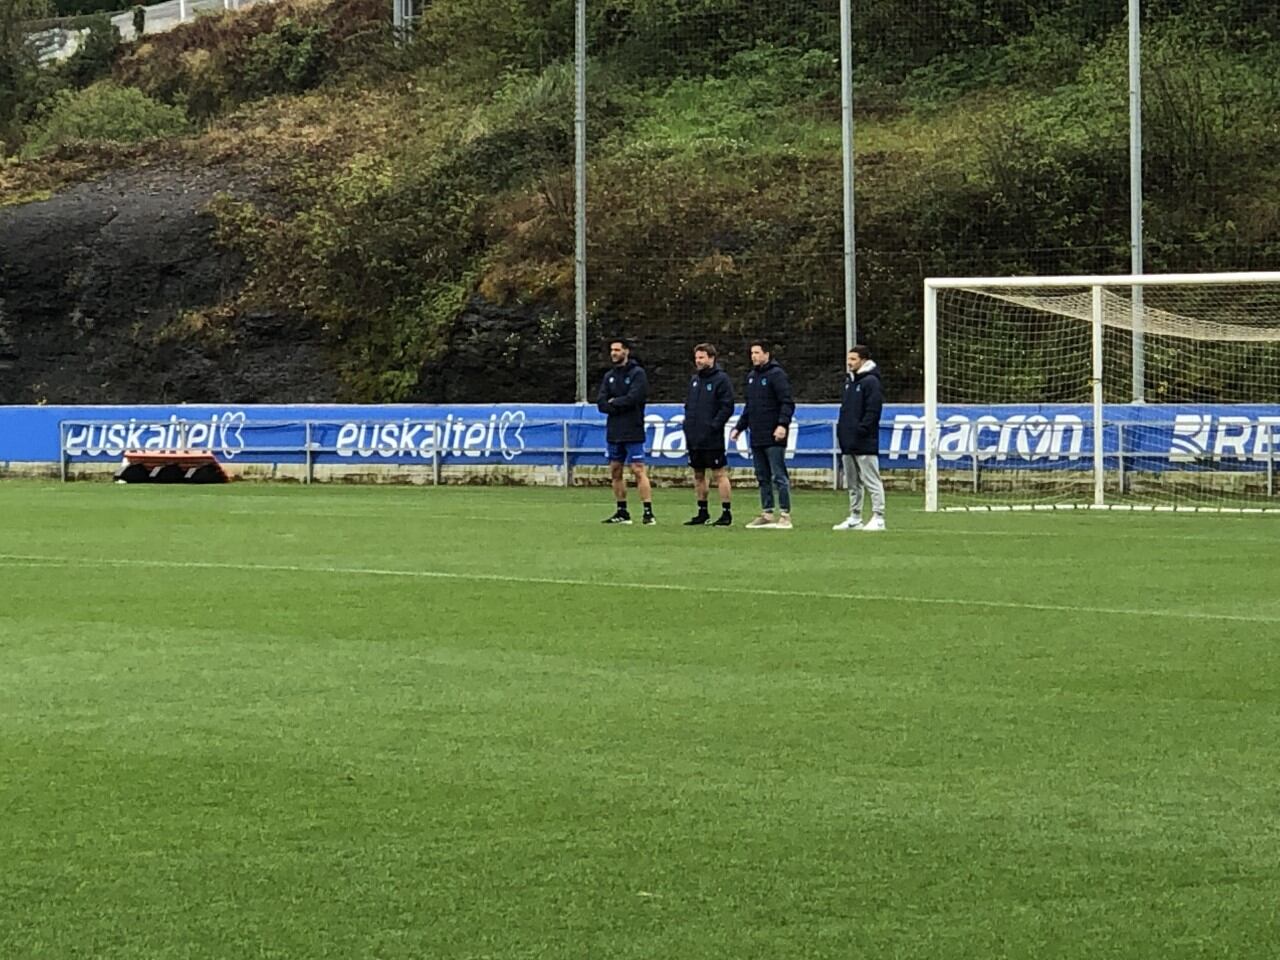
x,y
291,58
104,112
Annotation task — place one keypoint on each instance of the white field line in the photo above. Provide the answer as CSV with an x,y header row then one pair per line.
x,y
32,560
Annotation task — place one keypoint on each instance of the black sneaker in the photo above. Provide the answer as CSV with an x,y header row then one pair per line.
x,y
698,520
648,519
620,517
724,520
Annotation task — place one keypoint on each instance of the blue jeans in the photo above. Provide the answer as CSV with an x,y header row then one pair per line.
x,y
771,471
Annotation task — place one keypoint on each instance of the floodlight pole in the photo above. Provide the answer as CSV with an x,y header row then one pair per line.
x,y
850,237
580,198
1135,196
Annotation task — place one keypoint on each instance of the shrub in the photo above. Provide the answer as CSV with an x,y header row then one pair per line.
x,y
104,112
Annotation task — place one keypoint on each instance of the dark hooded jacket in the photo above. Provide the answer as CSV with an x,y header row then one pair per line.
x,y
858,427
707,409
769,404
622,395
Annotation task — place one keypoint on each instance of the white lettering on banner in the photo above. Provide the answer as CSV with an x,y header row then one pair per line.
x,y
452,436
1233,437
1019,436
908,436
667,441
1190,437
1195,437
221,434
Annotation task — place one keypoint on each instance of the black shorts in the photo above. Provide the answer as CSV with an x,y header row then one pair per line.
x,y
708,459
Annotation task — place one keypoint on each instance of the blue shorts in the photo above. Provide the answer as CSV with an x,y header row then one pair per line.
x,y
626,452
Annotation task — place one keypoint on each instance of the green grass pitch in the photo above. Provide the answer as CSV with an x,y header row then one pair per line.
x,y
389,722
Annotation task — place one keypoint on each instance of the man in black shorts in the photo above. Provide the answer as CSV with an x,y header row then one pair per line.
x,y
706,411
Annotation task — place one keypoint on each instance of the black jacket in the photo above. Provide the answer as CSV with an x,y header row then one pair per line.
x,y
622,396
708,409
858,428
769,404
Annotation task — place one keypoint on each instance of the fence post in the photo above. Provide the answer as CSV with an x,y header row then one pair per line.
x,y
1120,456
565,478
835,456
307,426
435,456
62,449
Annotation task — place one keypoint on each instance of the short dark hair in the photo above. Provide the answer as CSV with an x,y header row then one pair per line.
x,y
708,348
625,341
862,350
762,344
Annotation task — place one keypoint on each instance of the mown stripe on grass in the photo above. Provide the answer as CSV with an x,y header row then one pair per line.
x,y
33,560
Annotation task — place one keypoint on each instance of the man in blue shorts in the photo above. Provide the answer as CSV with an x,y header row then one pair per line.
x,y
621,397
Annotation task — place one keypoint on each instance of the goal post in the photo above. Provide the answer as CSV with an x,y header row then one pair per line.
x,y
1031,399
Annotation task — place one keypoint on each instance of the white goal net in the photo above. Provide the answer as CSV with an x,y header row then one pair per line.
x,y
1135,393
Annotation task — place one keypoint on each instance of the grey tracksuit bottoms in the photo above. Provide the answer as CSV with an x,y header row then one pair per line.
x,y
862,472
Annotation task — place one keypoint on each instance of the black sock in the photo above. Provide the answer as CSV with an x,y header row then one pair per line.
x,y
648,509
724,506
702,506
622,506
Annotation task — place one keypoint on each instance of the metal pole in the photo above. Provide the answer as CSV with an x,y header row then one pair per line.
x,y
1135,196
850,237
931,430
835,456
435,456
62,450
1120,457
564,446
1271,469
1099,453
307,425
580,197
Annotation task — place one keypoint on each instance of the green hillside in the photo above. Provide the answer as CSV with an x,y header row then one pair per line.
x,y
409,187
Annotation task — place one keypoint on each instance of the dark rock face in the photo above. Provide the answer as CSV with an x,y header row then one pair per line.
x,y
94,286
504,354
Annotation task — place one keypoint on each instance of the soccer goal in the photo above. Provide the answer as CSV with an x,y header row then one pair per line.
x,y
1126,392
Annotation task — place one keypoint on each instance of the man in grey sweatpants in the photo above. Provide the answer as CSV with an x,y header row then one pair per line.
x,y
858,432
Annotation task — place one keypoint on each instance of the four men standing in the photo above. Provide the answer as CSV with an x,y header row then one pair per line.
x,y
766,418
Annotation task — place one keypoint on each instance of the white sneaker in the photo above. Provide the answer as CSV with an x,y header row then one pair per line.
x,y
848,523
762,522
784,522
875,523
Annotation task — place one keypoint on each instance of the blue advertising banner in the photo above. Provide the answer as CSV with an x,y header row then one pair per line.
x,y
1042,437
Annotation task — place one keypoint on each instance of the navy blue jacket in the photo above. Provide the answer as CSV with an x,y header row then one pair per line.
x,y
708,409
769,404
858,428
622,396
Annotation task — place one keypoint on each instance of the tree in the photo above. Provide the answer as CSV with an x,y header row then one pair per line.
x,y
18,65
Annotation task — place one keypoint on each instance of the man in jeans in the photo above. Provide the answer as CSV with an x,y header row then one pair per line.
x,y
858,432
767,415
